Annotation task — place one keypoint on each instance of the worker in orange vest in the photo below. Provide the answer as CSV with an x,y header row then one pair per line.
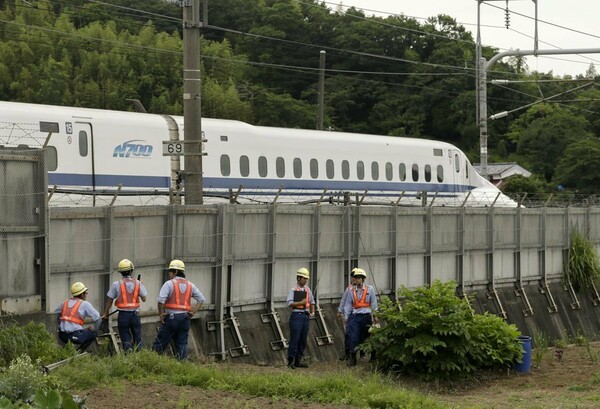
x,y
358,312
176,310
126,294
302,303
71,316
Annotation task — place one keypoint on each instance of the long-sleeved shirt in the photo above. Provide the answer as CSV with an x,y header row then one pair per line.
x,y
347,293
349,301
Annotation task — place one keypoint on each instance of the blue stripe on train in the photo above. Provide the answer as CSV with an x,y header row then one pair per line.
x,y
160,182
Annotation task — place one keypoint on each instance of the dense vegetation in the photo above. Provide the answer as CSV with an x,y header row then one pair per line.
x,y
25,349
431,332
391,76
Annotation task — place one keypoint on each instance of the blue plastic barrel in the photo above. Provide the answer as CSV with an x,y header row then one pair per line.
x,y
525,365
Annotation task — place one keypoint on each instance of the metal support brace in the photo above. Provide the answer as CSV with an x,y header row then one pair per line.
x,y
575,305
493,294
326,339
114,199
596,299
273,317
462,295
112,337
520,292
544,289
241,349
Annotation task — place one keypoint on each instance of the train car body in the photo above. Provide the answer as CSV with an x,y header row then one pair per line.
x,y
94,154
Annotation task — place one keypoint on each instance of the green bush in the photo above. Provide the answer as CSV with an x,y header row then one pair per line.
x,y
33,340
434,333
22,379
583,266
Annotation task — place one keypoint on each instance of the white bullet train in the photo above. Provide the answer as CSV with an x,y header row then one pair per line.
x,y
95,156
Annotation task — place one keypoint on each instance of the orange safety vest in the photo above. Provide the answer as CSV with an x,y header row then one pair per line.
x,y
362,303
71,314
307,299
178,300
126,300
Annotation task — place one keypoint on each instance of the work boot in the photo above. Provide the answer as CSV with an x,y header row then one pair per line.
x,y
291,363
299,364
352,360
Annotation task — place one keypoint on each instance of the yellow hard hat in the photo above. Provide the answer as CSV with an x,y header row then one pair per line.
x,y
303,272
124,265
176,265
78,288
359,272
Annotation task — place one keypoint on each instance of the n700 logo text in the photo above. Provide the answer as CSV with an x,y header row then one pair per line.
x,y
131,149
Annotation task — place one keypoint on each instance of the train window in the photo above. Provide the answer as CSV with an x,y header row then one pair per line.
x,y
415,172
83,143
297,168
51,158
314,168
440,173
389,171
223,138
329,169
437,152
456,163
402,172
244,166
375,170
427,173
280,167
346,169
262,166
225,165
360,170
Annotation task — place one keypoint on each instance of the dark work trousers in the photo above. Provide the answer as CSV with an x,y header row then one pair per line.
x,y
357,330
130,330
83,338
298,334
176,327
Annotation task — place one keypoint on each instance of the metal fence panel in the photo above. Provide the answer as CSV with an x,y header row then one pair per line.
x,y
23,229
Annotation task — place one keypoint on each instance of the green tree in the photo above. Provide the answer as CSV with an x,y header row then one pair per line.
x,y
543,133
520,184
579,166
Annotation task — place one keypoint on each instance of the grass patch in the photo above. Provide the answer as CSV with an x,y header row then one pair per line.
x,y
376,391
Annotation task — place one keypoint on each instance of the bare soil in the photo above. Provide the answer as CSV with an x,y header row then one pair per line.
x,y
571,380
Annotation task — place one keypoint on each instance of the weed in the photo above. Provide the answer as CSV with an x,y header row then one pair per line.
x,y
591,352
560,343
579,388
540,340
580,339
22,379
583,265
33,340
147,366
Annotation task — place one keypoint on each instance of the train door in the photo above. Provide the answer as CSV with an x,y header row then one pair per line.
x,y
457,163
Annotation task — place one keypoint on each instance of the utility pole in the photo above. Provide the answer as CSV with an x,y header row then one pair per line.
x,y
481,85
321,108
192,118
